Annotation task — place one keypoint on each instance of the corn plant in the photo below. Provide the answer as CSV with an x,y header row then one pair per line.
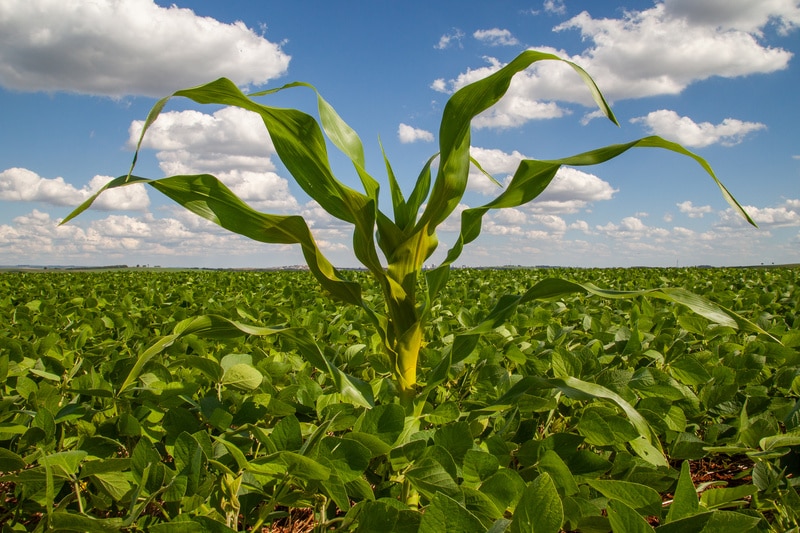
x,y
393,248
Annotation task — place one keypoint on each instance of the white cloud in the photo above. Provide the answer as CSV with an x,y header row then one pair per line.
x,y
693,211
555,7
439,85
126,47
446,40
581,225
571,191
496,37
231,144
786,215
643,53
229,137
632,228
511,216
23,185
408,134
743,15
685,131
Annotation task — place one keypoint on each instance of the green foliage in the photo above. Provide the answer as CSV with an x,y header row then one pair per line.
x,y
414,408
531,430
408,240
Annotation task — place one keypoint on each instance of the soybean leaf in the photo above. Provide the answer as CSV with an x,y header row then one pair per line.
x,y
539,509
66,521
643,499
446,515
624,518
685,502
429,477
242,376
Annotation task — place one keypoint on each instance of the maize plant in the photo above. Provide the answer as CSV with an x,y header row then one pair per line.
x,y
392,246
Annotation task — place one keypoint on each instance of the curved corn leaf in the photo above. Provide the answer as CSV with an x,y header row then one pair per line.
x,y
646,445
219,327
206,196
531,179
465,342
409,240
454,134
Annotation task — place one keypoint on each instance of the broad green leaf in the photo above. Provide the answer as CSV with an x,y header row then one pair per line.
x,y
559,472
219,327
9,461
304,467
505,488
333,486
383,421
479,466
235,452
146,461
348,458
429,477
604,429
191,524
287,435
456,438
377,517
242,376
375,445
481,505
64,464
79,523
444,413
685,502
539,509
115,484
717,498
645,445
446,515
642,498
624,518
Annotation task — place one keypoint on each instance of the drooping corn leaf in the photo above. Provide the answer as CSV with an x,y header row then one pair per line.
x,y
214,326
209,198
454,134
465,342
532,177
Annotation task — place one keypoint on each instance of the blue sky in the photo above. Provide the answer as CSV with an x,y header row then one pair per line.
x,y
719,76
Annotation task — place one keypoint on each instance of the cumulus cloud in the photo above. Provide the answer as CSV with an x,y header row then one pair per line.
x,y
685,131
556,7
179,238
408,134
692,211
496,37
126,47
741,15
642,53
23,185
786,215
448,39
231,144
632,228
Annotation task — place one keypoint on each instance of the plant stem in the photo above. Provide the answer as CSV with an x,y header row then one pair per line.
x,y
76,484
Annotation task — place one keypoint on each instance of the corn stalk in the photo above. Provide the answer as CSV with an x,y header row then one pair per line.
x,y
393,249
